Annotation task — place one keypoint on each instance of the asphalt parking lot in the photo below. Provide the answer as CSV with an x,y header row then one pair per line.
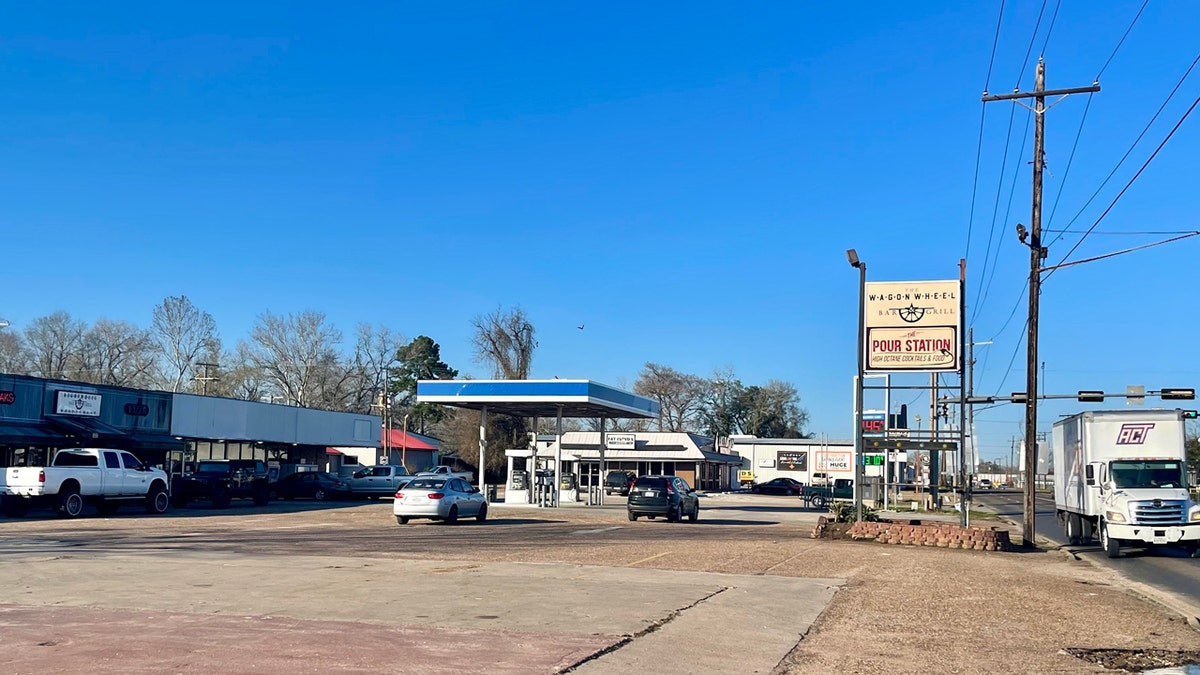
x,y
308,587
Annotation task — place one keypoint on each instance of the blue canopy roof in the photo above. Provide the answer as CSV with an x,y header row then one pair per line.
x,y
538,398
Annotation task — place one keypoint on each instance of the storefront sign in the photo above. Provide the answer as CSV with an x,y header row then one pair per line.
x,y
620,441
912,326
137,409
8,397
791,460
77,403
833,461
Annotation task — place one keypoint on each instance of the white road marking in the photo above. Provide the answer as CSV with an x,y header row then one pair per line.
x,y
596,531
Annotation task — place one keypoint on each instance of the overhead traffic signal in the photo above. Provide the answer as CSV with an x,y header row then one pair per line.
x,y
1177,394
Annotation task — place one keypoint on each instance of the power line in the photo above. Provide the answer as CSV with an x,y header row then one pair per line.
x,y
987,285
1128,185
1122,40
1144,233
1133,145
1070,160
1050,30
1029,50
995,212
987,83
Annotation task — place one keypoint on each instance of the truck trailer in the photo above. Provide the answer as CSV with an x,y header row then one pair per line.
x,y
1121,475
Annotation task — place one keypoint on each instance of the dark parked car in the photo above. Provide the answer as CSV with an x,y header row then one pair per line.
x,y
221,480
317,485
618,482
669,496
779,486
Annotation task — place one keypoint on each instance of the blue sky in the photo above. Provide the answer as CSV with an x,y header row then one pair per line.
x,y
682,180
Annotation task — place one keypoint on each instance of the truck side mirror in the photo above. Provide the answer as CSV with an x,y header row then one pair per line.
x,y
1090,474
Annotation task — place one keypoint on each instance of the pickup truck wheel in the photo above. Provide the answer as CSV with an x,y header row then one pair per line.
x,y
320,495
1112,547
157,501
262,496
70,503
818,501
452,517
107,508
14,507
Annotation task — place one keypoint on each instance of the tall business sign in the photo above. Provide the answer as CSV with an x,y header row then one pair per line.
x,y
912,326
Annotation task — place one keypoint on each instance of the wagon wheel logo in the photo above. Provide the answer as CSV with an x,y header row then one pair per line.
x,y
912,313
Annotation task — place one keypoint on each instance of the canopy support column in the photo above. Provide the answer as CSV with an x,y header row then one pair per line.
x,y
482,449
558,457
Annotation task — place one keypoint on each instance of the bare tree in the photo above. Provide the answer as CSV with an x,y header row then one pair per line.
x,y
680,396
298,354
54,343
118,353
505,340
14,358
183,332
375,354
236,376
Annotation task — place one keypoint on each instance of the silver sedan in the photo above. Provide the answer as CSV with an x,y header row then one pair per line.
x,y
445,499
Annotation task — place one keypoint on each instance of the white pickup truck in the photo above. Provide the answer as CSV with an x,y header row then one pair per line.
x,y
444,471
378,481
77,476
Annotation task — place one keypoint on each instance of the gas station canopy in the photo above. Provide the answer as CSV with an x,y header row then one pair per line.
x,y
538,398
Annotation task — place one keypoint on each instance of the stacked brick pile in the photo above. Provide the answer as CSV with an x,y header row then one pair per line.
x,y
944,535
822,525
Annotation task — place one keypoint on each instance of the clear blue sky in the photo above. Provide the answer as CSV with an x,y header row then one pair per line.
x,y
683,180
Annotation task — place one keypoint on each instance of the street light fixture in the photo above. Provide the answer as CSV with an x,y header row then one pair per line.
x,y
852,258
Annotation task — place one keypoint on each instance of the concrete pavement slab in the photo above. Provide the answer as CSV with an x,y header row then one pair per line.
x,y
559,613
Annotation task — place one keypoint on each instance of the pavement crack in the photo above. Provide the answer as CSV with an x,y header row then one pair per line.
x,y
652,628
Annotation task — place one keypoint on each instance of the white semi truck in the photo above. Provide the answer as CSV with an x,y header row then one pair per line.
x,y
1122,475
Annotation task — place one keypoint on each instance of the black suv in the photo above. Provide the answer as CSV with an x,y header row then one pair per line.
x,y
669,496
618,482
222,480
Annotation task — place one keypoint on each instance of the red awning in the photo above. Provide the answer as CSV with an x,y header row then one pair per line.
x,y
398,438
333,451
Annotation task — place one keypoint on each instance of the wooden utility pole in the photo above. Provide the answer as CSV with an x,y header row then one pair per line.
x,y
1037,253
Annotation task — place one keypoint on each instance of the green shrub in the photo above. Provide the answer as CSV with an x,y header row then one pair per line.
x,y
847,512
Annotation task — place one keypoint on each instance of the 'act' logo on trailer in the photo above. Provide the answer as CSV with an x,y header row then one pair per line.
x,y
1134,434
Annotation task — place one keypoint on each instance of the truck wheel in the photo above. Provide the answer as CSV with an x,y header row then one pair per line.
x,y
70,503
14,507
157,501
1112,547
1074,529
818,502
633,516
107,508
262,496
